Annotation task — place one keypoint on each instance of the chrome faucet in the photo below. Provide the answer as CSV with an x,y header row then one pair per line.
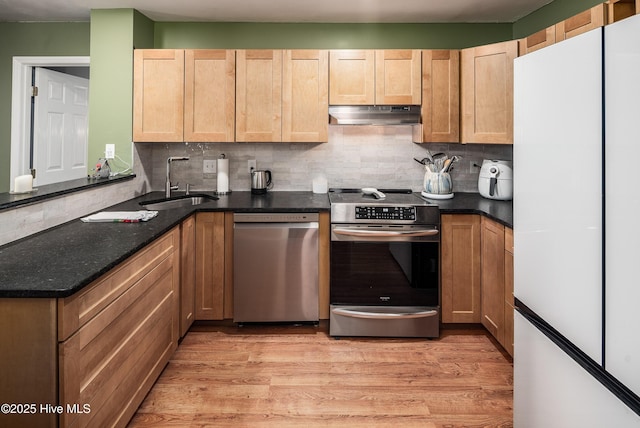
x,y
167,185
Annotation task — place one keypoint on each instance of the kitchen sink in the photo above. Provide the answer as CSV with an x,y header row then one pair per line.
x,y
182,201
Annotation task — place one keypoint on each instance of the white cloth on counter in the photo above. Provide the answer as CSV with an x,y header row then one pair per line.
x,y
120,216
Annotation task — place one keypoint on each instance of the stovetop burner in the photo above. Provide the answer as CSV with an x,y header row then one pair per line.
x,y
400,197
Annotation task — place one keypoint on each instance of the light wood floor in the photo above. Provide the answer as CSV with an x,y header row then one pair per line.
x,y
300,377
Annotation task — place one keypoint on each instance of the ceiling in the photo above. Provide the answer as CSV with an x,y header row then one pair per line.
x,y
328,11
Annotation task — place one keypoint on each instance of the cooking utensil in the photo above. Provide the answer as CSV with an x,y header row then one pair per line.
x,y
372,191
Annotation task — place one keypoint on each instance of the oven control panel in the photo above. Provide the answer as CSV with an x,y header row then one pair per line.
x,y
381,212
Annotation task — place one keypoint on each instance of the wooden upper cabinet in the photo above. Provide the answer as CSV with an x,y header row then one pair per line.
x,y
209,106
440,96
582,22
305,102
487,93
352,77
368,77
398,77
539,40
621,9
158,81
258,95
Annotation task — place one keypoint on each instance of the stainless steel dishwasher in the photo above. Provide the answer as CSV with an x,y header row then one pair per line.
x,y
275,267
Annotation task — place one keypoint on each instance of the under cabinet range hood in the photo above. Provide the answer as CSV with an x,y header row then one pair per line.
x,y
374,115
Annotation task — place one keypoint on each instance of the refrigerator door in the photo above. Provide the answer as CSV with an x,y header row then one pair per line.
x,y
558,187
552,391
622,201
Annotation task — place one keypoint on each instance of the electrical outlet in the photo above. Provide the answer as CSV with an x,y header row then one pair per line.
x,y
209,166
472,167
251,164
110,151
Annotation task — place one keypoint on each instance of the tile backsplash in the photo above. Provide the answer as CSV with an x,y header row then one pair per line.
x,y
355,156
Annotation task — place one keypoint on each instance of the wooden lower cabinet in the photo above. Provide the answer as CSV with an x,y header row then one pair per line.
x,y
477,274
210,265
98,352
508,290
460,268
492,282
117,335
187,274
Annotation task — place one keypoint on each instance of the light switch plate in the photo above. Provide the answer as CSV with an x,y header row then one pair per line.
x,y
209,166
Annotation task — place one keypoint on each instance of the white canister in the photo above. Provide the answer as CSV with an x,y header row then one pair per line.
x,y
23,184
320,185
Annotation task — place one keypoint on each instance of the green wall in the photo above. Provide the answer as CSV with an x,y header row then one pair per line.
x,y
31,39
239,35
550,14
114,32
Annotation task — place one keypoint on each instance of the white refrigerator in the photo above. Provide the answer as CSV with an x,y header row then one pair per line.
x,y
576,241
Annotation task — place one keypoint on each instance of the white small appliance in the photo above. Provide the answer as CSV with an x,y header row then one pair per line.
x,y
496,180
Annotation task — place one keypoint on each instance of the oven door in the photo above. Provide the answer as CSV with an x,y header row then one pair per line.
x,y
385,266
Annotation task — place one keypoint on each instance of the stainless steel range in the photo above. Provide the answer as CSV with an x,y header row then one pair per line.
x,y
385,261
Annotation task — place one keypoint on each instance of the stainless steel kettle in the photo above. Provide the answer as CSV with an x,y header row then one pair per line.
x,y
260,181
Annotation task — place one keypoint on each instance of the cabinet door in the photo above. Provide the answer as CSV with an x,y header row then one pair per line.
x,y
352,77
258,95
487,93
441,96
210,95
305,103
539,40
187,274
582,22
158,95
621,9
492,282
398,77
210,265
460,274
508,290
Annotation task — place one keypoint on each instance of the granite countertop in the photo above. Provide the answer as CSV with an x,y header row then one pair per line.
x,y
42,193
474,203
60,261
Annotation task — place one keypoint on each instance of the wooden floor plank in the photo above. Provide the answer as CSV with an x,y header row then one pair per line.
x,y
264,376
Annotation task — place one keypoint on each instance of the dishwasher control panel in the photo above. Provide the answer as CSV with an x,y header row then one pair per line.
x,y
275,217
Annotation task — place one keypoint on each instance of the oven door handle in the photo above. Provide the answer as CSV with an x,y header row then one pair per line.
x,y
346,231
383,315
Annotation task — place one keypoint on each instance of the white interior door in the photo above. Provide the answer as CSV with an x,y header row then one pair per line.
x,y
61,119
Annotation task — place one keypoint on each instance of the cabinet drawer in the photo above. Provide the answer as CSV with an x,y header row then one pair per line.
x,y
113,359
75,311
